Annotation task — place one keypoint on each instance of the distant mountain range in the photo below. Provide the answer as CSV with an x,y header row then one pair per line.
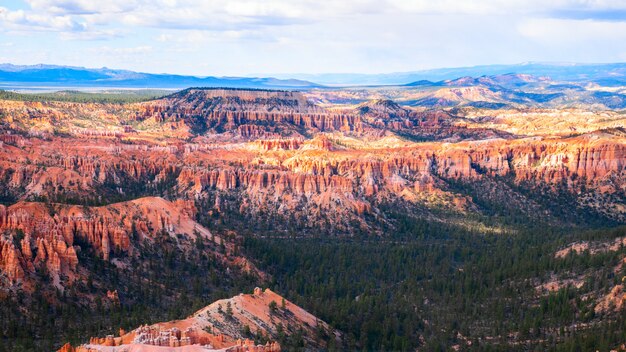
x,y
603,74
52,76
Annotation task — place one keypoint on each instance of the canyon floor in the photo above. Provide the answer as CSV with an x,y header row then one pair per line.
x,y
465,215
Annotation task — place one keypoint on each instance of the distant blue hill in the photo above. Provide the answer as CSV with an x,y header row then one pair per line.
x,y
604,74
16,76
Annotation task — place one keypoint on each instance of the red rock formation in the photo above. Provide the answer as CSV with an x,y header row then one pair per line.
x,y
278,144
255,131
219,331
10,263
107,229
233,108
320,142
67,348
113,296
552,161
613,301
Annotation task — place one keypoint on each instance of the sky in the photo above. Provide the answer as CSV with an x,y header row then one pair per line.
x,y
264,37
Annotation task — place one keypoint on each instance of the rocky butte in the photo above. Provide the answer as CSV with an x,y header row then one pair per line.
x,y
225,325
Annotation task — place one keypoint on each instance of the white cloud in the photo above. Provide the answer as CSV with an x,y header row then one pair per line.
x,y
235,15
22,20
106,50
566,31
510,7
83,7
237,36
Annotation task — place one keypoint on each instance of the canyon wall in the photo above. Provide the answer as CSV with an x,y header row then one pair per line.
x,y
49,235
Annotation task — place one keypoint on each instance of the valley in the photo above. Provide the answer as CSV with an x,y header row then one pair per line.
x,y
297,175
399,218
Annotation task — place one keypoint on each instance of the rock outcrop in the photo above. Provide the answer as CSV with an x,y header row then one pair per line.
x,y
49,235
236,109
223,326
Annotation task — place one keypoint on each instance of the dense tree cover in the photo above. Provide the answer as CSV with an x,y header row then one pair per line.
x,y
447,288
503,200
113,97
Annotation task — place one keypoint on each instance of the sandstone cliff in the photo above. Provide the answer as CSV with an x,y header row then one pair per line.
x,y
320,174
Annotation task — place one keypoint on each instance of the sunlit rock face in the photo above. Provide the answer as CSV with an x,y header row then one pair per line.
x,y
254,154
245,111
220,326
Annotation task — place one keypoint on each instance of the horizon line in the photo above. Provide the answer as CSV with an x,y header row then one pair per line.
x,y
275,74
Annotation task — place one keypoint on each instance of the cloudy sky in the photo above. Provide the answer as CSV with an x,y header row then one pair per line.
x,y
241,37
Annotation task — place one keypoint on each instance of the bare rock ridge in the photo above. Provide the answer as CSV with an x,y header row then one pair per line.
x,y
382,109
230,109
223,325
